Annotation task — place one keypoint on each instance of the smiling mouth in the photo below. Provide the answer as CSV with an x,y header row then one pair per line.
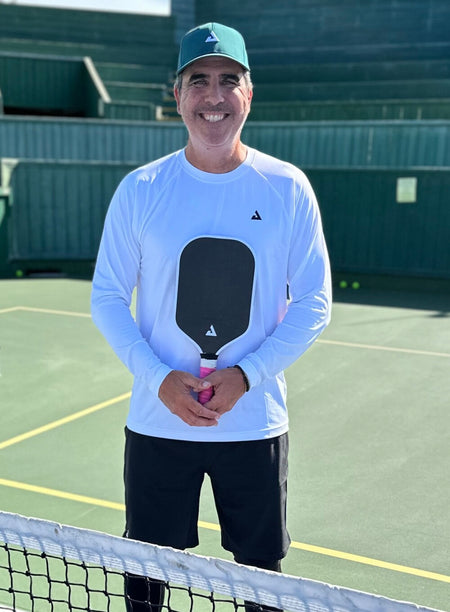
x,y
213,117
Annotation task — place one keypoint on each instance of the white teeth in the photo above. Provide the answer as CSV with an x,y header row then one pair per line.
x,y
213,118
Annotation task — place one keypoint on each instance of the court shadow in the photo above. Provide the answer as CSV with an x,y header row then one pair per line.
x,y
397,292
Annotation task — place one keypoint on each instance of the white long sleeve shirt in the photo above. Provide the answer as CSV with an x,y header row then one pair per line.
x,y
157,209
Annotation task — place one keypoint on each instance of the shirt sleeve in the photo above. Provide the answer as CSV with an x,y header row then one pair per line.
x,y
115,278
309,309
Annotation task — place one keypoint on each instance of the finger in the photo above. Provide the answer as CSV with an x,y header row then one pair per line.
x,y
219,406
201,416
204,412
175,393
202,385
196,384
228,388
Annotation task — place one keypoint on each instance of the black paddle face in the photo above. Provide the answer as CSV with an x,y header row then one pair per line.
x,y
215,285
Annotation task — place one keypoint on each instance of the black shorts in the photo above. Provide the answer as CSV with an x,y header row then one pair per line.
x,y
163,479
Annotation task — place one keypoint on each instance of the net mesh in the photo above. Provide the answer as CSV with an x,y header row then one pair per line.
x,y
45,566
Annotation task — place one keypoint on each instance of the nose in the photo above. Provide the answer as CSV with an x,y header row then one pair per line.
x,y
214,94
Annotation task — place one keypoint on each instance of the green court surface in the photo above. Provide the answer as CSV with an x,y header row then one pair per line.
x,y
369,496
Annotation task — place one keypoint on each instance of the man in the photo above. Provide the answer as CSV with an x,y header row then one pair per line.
x,y
216,187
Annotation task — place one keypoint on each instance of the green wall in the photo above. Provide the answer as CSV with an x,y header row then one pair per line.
x,y
376,220
322,143
391,221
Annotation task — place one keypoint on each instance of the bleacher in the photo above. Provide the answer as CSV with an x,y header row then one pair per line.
x,y
334,60
43,53
323,61
352,92
411,89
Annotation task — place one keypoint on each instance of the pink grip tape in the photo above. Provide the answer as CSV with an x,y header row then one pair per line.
x,y
206,395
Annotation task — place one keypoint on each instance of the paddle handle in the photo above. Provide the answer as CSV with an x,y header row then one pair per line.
x,y
207,366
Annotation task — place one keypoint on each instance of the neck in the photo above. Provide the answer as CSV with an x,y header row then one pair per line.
x,y
216,161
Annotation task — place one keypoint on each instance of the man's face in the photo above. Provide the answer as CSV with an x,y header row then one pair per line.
x,y
214,102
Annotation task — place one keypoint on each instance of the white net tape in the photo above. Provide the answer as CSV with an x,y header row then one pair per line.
x,y
224,578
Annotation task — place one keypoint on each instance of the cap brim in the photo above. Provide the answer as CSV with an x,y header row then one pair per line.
x,y
246,68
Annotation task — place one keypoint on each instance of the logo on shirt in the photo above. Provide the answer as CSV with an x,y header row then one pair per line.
x,y
211,331
212,38
256,216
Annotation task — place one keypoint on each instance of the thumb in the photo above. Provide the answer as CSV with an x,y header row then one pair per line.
x,y
202,385
196,384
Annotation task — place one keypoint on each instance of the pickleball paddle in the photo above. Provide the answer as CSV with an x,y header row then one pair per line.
x,y
214,297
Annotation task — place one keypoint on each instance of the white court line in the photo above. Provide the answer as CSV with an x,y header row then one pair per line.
x,y
375,347
12,309
67,313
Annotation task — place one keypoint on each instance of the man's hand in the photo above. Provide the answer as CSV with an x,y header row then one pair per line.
x,y
228,386
175,393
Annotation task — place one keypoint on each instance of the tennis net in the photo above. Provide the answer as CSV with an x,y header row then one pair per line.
x,y
45,566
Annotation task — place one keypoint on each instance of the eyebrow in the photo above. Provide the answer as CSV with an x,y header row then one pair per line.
x,y
197,75
232,75
227,75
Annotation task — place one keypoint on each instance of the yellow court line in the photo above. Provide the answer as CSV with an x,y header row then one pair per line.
x,y
64,420
368,561
61,494
202,524
212,526
376,347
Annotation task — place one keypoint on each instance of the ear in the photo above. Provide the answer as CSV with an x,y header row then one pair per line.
x,y
176,94
249,100
250,94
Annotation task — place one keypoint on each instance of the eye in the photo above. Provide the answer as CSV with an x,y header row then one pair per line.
x,y
231,81
198,82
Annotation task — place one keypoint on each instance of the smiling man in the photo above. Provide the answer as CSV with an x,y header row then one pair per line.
x,y
213,96
221,192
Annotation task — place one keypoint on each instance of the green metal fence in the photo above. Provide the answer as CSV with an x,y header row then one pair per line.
x,y
376,220
58,208
386,220
338,143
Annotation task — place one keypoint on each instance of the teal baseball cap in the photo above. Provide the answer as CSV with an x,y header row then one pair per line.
x,y
212,39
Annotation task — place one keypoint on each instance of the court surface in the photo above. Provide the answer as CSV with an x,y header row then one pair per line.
x,y
369,496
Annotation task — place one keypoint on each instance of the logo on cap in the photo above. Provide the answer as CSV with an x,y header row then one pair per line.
x,y
212,38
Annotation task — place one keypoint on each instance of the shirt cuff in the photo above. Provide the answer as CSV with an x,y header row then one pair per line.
x,y
251,372
156,378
